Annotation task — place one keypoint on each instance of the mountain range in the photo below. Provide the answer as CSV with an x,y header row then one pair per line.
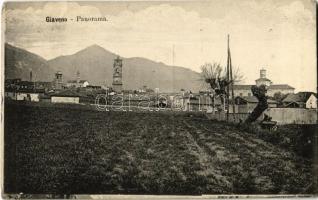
x,y
95,65
19,63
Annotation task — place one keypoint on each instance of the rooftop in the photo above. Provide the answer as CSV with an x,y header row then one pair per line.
x,y
281,86
271,87
75,81
299,97
263,79
66,93
24,90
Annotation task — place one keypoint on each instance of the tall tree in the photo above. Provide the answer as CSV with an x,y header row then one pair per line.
x,y
214,75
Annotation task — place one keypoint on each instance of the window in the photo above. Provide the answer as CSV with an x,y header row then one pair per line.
x,y
241,94
249,94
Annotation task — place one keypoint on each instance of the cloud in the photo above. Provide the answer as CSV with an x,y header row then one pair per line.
x,y
262,34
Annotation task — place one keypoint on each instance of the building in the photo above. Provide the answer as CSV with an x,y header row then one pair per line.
x,y
282,88
301,100
77,83
201,103
93,87
12,83
25,85
242,90
262,80
245,90
117,75
246,104
24,94
16,84
47,86
16,89
66,96
29,95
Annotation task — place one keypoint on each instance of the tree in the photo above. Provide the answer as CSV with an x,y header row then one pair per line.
x,y
211,73
260,93
215,76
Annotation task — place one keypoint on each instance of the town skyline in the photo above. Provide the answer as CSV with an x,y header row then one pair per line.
x,y
242,82
180,35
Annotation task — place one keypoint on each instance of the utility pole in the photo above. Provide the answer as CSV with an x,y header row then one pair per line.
x,y
173,68
228,78
232,84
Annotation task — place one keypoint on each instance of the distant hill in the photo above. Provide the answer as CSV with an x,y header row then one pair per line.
x,y
96,64
19,63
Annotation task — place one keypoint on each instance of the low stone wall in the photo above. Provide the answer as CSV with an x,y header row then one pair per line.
x,y
293,115
281,115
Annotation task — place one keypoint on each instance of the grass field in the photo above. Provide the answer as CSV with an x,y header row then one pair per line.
x,y
64,150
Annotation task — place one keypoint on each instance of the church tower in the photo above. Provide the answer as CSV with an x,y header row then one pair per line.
x,y
58,80
117,75
262,80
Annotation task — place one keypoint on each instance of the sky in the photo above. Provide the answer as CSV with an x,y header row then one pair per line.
x,y
279,36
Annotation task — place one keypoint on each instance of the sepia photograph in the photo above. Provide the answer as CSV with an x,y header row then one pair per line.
x,y
160,99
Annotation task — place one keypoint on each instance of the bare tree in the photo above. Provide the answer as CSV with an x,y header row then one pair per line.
x,y
215,76
211,73
237,75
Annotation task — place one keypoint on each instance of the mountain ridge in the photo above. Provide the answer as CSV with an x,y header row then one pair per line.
x,y
19,62
95,64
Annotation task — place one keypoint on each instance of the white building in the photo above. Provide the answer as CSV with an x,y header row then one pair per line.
x,y
311,102
77,83
67,96
23,95
245,90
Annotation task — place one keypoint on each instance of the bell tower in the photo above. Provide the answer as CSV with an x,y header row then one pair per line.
x,y
117,75
262,80
58,80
